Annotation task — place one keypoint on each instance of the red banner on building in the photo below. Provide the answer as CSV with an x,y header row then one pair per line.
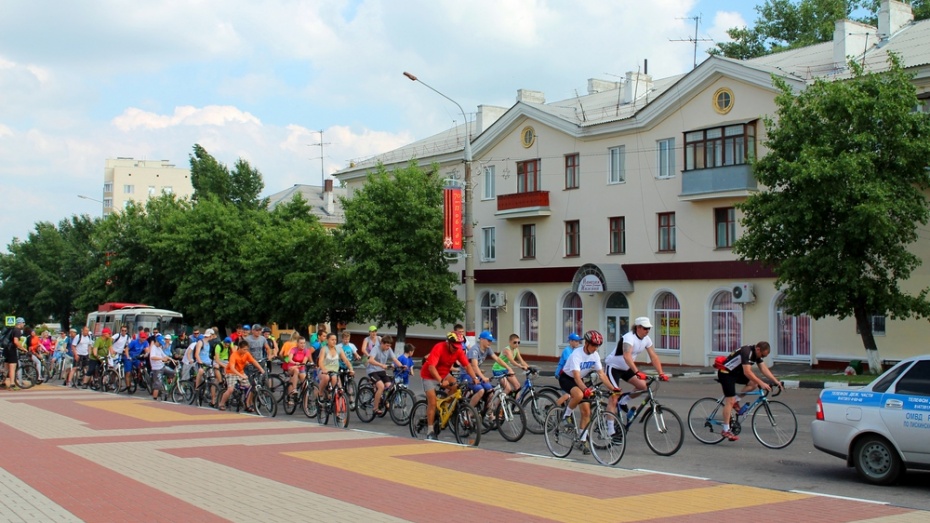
x,y
452,212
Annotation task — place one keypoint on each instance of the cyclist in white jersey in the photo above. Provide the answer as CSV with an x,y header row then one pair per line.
x,y
621,363
583,361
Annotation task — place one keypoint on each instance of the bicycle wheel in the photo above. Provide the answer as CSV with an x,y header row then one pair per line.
x,y
511,421
131,387
290,402
277,385
264,403
417,421
400,405
211,394
177,390
774,424
365,404
26,375
110,382
560,436
466,425
351,391
536,406
607,448
308,401
340,409
322,414
705,420
663,430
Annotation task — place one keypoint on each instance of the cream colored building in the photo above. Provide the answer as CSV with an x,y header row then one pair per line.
x,y
619,203
128,179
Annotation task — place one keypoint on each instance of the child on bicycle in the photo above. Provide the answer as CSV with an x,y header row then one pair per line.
x,y
235,371
737,369
406,360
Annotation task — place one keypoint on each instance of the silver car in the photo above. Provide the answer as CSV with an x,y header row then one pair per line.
x,y
882,428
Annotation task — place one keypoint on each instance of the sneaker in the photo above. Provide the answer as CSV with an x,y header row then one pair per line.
x,y
729,435
431,437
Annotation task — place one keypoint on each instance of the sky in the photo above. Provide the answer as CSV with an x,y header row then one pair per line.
x,y
81,82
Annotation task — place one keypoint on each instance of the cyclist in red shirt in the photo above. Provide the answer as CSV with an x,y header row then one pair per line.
x,y
435,373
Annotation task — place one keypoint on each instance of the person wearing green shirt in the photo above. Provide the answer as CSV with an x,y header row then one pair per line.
x,y
97,354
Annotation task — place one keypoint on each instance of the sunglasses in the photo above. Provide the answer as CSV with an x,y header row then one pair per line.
x,y
516,342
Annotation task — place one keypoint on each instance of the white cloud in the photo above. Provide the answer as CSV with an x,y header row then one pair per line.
x,y
134,118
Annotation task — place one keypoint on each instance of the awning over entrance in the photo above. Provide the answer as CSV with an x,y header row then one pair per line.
x,y
603,277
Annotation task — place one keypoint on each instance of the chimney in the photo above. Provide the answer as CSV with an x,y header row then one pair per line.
x,y
851,39
533,97
599,86
487,115
637,85
328,197
892,16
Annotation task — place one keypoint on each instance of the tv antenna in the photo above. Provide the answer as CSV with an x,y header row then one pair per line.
x,y
321,144
695,39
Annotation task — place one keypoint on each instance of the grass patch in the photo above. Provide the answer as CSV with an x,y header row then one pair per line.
x,y
859,379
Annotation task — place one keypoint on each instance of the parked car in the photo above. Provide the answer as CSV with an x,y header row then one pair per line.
x,y
881,429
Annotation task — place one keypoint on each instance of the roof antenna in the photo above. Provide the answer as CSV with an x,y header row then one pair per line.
x,y
584,118
695,39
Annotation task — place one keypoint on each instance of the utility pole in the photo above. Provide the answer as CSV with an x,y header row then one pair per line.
x,y
322,171
695,39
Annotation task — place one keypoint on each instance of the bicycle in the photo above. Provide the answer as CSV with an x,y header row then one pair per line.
x,y
350,387
175,388
262,401
535,401
396,398
562,436
208,388
773,423
335,403
309,393
451,411
662,426
26,373
500,411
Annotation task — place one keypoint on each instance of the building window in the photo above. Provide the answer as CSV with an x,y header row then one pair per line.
x,y
618,235
573,238
572,315
488,315
107,187
666,232
489,192
572,162
666,160
668,320
488,240
793,333
167,189
720,146
878,325
151,191
615,168
529,241
129,189
725,227
529,318
107,203
726,323
528,176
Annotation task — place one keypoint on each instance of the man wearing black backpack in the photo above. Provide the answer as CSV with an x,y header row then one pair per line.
x,y
11,354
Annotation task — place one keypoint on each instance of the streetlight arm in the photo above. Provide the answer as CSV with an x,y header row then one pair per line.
x,y
464,118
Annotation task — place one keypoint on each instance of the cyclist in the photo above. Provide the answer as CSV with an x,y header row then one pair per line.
x,y
98,354
378,359
138,349
476,356
258,344
272,346
435,373
157,359
737,369
11,354
621,365
583,361
81,344
510,356
328,362
203,355
118,350
295,365
221,357
372,341
407,360
574,341
235,371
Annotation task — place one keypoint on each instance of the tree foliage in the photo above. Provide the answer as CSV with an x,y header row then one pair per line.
x,y
392,242
846,175
788,24
212,179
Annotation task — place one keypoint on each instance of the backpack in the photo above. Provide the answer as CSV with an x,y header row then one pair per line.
x,y
6,339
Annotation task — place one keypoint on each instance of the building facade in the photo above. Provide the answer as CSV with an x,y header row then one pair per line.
x,y
620,203
128,179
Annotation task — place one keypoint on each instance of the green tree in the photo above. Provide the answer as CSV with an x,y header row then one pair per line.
x,y
845,177
392,243
245,185
212,179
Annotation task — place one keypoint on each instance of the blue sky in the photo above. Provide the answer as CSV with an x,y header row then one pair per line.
x,y
81,82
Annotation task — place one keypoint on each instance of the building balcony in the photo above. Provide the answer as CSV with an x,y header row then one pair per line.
x,y
523,205
717,182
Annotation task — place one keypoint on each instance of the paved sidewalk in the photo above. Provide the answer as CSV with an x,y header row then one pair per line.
x,y
73,455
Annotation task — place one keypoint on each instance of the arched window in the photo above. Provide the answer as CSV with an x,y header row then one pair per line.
x,y
667,333
793,333
488,315
726,323
572,315
529,318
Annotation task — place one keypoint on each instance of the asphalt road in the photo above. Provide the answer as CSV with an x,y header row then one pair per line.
x,y
797,467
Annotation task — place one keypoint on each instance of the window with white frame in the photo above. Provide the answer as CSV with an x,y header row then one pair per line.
x,y
572,315
108,187
615,168
167,189
488,240
529,318
666,160
667,333
129,189
151,191
107,203
489,190
488,315
726,323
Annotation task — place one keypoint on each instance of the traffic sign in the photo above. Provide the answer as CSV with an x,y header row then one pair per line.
x,y
11,321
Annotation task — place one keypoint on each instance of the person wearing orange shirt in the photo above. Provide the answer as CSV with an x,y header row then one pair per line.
x,y
235,371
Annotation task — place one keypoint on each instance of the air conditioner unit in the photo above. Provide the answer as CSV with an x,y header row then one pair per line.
x,y
497,299
742,293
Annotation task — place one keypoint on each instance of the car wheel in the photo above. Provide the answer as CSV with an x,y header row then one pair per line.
x,y
876,460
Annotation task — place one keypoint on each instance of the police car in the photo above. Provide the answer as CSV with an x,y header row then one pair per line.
x,y
881,429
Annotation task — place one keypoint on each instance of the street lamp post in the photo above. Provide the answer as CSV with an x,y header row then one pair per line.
x,y
467,218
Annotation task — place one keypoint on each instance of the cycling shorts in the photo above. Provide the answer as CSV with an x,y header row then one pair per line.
x,y
499,373
566,383
476,386
729,381
617,375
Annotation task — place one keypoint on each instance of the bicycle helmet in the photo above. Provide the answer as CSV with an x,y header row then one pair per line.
x,y
574,337
266,330
454,338
594,338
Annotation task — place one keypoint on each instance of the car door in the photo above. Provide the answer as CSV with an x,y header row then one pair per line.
x,y
906,412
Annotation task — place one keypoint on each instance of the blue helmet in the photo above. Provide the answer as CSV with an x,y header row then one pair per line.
x,y
574,337
486,335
